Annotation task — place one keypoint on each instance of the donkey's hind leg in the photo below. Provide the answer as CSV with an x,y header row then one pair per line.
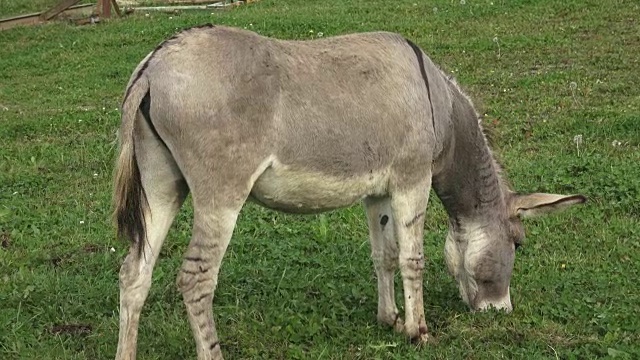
x,y
384,252
215,215
165,190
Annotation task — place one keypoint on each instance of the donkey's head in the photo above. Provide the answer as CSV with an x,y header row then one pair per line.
x,y
480,251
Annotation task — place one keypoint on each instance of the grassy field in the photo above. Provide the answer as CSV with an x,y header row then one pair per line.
x,y
558,80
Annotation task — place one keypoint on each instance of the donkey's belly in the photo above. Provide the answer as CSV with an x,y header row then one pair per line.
x,y
297,191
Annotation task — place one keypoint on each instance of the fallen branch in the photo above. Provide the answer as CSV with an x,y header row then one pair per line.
x,y
174,8
193,2
37,18
219,5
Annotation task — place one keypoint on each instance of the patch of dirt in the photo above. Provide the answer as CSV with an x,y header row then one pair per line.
x,y
91,248
5,240
56,261
71,329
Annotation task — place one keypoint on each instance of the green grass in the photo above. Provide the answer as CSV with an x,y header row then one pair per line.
x,y
304,287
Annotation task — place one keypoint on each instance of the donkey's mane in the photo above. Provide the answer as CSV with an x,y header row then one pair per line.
x,y
488,131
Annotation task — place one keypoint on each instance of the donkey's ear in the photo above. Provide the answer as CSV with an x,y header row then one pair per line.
x,y
531,205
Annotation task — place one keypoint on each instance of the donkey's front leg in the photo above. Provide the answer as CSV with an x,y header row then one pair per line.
x,y
384,252
408,206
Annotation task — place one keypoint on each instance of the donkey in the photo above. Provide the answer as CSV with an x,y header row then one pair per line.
x,y
306,127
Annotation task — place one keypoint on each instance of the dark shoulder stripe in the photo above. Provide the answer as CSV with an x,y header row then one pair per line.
x,y
423,72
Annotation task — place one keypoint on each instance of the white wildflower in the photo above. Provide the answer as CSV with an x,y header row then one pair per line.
x,y
577,140
495,40
81,222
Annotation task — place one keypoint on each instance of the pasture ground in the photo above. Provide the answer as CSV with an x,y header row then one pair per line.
x,y
558,80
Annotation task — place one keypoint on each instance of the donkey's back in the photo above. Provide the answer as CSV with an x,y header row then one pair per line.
x,y
312,125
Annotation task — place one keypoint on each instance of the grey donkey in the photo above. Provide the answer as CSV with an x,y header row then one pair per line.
x,y
306,127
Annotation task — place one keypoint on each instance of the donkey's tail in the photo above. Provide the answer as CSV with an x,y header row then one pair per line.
x,y
129,198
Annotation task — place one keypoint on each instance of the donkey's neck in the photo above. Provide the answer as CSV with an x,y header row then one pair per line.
x,y
467,178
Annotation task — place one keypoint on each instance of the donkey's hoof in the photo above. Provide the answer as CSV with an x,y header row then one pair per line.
x,y
398,325
421,336
423,339
394,321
